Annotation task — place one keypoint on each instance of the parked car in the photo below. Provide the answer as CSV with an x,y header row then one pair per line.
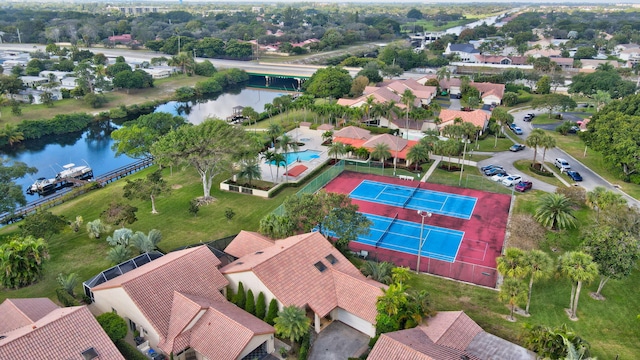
x,y
523,186
528,117
489,167
574,129
517,147
498,177
494,171
532,115
574,175
511,180
516,130
562,164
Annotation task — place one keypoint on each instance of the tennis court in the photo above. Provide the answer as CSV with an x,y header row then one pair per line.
x,y
403,236
414,198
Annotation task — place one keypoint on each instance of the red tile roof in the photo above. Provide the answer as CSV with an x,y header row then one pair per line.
x,y
476,117
15,313
247,242
215,329
487,89
287,269
353,132
62,334
453,329
193,271
296,170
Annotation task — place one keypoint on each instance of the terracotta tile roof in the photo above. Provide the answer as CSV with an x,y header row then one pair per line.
x,y
476,117
325,127
453,329
353,132
15,313
347,141
543,53
487,89
395,143
288,270
218,329
564,61
62,334
413,344
247,242
193,271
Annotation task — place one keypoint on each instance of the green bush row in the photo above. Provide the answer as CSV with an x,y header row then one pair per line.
x,y
541,172
129,352
60,124
304,347
65,298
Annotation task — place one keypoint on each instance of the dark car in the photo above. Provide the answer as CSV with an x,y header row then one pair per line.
x,y
494,171
523,186
516,147
490,166
574,175
527,118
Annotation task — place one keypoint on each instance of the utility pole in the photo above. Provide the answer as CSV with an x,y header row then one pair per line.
x,y
19,39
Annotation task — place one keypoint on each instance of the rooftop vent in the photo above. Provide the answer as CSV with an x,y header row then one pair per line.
x,y
331,259
320,266
259,252
89,354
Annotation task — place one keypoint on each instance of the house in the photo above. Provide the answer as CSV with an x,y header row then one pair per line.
x,y
631,54
307,271
449,335
538,53
158,73
69,82
121,39
478,118
501,60
450,85
39,329
32,96
176,302
590,65
464,52
55,76
491,94
33,81
356,137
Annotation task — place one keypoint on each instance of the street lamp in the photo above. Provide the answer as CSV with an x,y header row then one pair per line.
x,y
423,214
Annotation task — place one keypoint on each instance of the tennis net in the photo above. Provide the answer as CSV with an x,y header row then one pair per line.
x,y
386,231
404,206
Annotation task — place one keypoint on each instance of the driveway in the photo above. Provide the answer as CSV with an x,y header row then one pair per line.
x,y
454,104
338,342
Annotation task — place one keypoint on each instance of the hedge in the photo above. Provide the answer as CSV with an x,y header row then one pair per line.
x,y
60,124
129,352
65,298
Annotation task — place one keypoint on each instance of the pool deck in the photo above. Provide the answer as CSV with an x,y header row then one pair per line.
x,y
313,141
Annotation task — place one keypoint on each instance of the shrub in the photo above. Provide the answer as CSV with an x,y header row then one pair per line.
x,y
194,207
272,313
60,124
250,305
113,325
240,298
304,347
261,306
229,213
577,194
541,172
230,294
65,298
128,351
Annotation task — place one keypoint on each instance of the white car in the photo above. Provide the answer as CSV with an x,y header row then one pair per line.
x,y
511,180
499,177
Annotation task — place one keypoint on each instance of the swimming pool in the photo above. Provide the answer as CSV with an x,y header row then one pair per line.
x,y
306,155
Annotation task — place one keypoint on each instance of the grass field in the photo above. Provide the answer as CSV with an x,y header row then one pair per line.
x,y
525,167
488,143
543,119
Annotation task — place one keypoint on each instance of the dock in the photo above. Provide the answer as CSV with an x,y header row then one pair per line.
x,y
65,194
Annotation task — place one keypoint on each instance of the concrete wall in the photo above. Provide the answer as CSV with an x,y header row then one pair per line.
x,y
251,281
354,321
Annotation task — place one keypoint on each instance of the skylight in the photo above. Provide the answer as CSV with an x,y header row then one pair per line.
x,y
89,354
331,259
320,266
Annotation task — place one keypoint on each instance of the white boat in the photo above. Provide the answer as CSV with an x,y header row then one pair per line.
x,y
76,172
42,185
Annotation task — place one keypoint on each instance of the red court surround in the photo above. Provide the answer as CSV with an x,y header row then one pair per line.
x,y
482,242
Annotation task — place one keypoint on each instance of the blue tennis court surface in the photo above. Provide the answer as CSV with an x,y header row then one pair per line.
x,y
400,235
436,202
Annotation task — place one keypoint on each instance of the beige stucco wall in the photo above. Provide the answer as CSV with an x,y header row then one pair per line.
x,y
251,281
354,321
491,99
257,341
118,299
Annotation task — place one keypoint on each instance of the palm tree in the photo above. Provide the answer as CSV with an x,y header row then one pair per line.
x,y
279,160
292,323
533,141
11,134
512,263
378,271
118,254
120,236
442,73
287,143
362,153
146,243
538,265
68,282
418,153
184,61
392,300
512,291
407,98
602,98
381,152
578,267
337,149
327,135
554,211
274,131
601,198
547,142
250,169
367,106
268,157
96,228
400,274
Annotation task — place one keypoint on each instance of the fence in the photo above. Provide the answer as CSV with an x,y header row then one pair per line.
x,y
316,183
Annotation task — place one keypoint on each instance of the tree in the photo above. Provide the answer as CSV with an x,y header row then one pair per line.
x,y
115,69
400,275
292,323
358,85
585,52
285,144
96,228
547,142
554,211
184,61
250,114
250,305
608,81
113,325
553,102
22,261
76,224
553,343
10,84
602,98
616,253
543,86
250,170
11,135
602,199
241,297
510,99
146,243
346,224
391,71
538,265
381,152
512,291
336,150
120,237
12,194
407,98
512,263
534,140
42,224
372,72
577,267
119,214
261,306
417,154
331,81
272,312
136,137
68,282
378,271
149,187
205,68
209,147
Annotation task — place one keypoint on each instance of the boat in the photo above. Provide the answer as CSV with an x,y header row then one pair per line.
x,y
71,171
41,185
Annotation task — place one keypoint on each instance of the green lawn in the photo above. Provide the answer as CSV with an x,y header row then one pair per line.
x,y
525,167
543,119
489,142
471,178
